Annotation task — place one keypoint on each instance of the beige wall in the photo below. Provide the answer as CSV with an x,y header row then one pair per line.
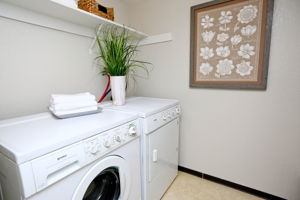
x,y
248,137
36,62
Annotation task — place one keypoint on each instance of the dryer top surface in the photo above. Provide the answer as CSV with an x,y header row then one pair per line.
x,y
143,106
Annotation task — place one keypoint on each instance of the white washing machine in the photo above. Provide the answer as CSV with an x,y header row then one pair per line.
x,y
160,134
93,157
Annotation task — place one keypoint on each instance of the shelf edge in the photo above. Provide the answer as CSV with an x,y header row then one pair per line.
x,y
24,15
101,19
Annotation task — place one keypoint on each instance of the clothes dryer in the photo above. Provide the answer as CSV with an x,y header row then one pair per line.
x,y
160,137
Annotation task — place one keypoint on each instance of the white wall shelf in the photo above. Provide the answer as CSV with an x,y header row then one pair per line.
x,y
63,15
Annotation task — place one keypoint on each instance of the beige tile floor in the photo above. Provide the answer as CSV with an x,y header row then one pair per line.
x,y
189,187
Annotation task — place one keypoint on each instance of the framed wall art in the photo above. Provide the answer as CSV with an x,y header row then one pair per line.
x,y
230,42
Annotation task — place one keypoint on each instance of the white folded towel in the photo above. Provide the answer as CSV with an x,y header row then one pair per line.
x,y
62,104
74,111
65,98
73,105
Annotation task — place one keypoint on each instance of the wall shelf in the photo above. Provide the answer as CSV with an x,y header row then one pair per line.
x,y
64,15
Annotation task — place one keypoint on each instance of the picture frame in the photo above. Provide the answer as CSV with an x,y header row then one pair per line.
x,y
230,44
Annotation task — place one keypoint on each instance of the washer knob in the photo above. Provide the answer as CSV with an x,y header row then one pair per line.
x,y
94,149
164,117
106,144
169,115
177,110
118,138
132,130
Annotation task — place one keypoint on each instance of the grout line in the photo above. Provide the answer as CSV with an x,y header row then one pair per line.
x,y
231,184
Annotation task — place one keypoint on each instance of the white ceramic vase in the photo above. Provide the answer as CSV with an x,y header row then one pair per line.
x,y
118,86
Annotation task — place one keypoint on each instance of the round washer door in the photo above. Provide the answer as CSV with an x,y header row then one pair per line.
x,y
109,179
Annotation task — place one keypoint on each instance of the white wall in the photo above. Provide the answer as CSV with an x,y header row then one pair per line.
x,y
248,137
36,62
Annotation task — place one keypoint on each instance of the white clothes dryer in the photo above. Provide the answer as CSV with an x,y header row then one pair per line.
x,y
93,157
160,137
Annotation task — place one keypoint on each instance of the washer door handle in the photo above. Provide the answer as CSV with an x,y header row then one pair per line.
x,y
154,155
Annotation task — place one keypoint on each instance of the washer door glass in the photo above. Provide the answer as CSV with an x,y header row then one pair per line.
x,y
106,186
107,179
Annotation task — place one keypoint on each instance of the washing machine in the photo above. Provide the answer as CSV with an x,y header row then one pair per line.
x,y
94,157
160,121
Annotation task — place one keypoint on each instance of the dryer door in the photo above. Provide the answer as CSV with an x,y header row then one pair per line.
x,y
162,159
109,179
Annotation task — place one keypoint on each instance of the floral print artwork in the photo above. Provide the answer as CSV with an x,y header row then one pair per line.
x,y
223,51
247,14
206,53
205,68
244,68
246,51
228,42
226,17
222,37
207,21
224,67
248,30
207,36
236,39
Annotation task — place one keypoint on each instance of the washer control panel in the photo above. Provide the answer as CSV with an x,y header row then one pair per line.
x,y
157,120
106,142
54,166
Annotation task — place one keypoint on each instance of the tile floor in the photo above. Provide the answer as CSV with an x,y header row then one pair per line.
x,y
189,187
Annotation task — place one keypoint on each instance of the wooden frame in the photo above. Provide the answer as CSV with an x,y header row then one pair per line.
x,y
230,42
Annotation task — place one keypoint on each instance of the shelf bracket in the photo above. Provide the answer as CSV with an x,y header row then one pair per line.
x,y
165,37
95,38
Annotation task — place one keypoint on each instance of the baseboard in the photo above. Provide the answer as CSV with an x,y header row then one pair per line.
x,y
230,184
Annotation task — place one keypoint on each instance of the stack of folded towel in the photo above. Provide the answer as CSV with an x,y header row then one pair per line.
x,y
61,104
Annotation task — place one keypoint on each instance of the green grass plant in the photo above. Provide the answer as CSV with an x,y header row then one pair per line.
x,y
117,51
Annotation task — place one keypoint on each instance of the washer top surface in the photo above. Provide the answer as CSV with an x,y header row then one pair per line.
x,y
25,138
143,106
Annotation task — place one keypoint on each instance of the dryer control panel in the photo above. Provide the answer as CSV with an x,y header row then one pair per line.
x,y
157,120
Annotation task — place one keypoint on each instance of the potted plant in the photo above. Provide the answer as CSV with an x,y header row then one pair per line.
x,y
117,51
